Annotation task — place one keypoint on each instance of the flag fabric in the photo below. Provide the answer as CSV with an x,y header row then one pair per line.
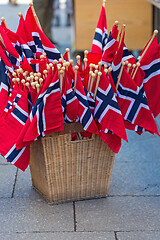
x,y
20,45
4,86
111,46
10,128
101,33
150,64
84,113
41,41
107,111
26,34
133,104
116,64
46,115
127,56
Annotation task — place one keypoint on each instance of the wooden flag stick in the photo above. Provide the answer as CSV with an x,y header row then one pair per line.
x,y
92,81
136,69
35,15
68,53
100,66
97,83
78,57
129,66
89,80
104,3
122,34
75,80
133,68
146,49
105,66
85,63
4,21
1,39
61,80
120,74
85,54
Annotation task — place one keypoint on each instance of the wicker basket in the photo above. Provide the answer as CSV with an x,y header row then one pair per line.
x,y
65,170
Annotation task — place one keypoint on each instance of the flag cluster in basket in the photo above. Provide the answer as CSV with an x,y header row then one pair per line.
x,y
40,89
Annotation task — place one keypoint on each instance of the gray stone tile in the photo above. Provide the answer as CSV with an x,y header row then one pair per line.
x,y
7,179
25,215
135,177
118,214
23,187
140,148
3,161
58,236
138,236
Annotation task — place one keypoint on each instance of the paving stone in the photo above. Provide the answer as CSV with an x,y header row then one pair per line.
x,y
3,161
7,179
25,215
118,214
135,177
23,187
58,236
138,236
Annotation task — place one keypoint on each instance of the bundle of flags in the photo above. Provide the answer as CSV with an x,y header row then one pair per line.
x,y
41,90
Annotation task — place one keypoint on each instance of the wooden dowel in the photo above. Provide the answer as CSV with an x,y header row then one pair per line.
x,y
133,68
97,83
122,34
68,53
38,87
104,3
100,66
85,53
106,71
75,80
78,57
129,66
71,62
146,49
4,21
1,39
61,80
35,15
92,81
116,23
85,63
120,74
89,80
136,69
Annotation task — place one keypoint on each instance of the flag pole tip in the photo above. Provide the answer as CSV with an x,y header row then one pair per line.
x,y
20,14
78,57
104,3
31,4
67,50
76,67
155,31
116,23
99,74
2,19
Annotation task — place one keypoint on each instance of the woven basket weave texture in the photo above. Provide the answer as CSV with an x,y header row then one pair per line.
x,y
65,170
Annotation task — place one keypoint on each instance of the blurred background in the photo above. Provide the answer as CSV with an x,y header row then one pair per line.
x,y
74,22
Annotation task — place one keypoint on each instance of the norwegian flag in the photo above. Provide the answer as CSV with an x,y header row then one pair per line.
x,y
46,115
39,36
38,65
20,45
25,33
4,86
127,56
69,103
84,113
9,49
133,104
10,128
116,64
107,111
101,33
111,46
150,64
